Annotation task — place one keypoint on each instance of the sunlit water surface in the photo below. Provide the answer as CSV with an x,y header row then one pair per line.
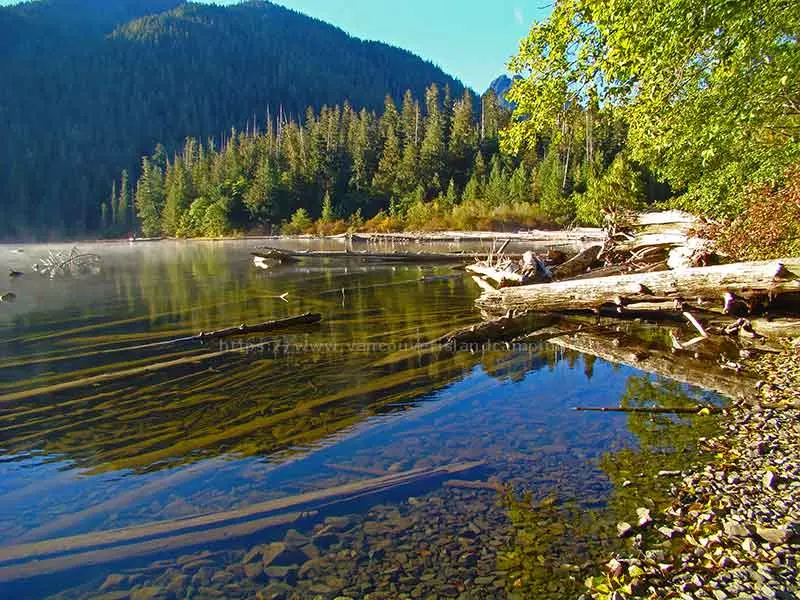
x,y
345,401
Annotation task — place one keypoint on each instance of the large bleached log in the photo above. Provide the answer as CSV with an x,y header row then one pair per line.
x,y
745,280
577,264
506,271
667,217
500,277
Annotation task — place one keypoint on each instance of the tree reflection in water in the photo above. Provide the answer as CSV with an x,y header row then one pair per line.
x,y
559,542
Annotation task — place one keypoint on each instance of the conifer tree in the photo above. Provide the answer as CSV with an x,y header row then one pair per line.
x,y
104,216
113,203
519,186
432,150
328,214
451,198
150,198
386,176
411,121
178,196
124,205
408,176
390,119
496,190
463,139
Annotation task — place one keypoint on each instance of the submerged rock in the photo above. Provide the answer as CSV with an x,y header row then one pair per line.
x,y
282,555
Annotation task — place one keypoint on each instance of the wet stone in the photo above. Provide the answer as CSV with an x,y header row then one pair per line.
x,y
254,571
112,581
279,554
119,595
150,593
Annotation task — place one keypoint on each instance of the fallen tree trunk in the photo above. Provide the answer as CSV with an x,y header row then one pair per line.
x,y
577,264
506,270
676,410
578,234
287,256
746,280
500,277
267,326
52,556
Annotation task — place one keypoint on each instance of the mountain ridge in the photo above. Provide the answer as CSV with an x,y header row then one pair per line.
x,y
87,97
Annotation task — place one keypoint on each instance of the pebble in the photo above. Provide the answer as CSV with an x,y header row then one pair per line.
x,y
720,507
624,529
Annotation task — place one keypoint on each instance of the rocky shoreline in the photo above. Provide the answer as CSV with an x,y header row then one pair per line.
x,y
733,530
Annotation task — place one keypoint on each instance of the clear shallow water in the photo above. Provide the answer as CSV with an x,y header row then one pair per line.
x,y
327,405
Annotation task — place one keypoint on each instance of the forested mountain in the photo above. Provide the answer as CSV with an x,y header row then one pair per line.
x,y
89,86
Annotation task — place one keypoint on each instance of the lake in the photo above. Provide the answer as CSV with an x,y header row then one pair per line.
x,y
343,459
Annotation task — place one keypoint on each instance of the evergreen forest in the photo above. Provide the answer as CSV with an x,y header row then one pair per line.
x,y
89,86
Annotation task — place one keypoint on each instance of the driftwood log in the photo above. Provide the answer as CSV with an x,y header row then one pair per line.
x,y
506,270
52,556
709,284
676,410
577,234
502,278
267,326
288,256
578,264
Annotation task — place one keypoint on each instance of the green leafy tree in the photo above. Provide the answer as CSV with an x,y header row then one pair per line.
x,y
216,222
709,90
618,189
193,220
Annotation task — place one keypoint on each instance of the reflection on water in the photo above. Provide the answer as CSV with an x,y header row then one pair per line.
x,y
345,401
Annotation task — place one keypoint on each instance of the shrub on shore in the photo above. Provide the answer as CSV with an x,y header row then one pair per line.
x,y
769,227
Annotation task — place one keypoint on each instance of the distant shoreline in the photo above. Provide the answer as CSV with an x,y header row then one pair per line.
x,y
581,234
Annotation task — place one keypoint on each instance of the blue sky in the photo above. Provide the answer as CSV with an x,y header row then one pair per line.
x,y
469,39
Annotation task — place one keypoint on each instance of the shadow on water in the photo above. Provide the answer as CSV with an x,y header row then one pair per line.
x,y
352,399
